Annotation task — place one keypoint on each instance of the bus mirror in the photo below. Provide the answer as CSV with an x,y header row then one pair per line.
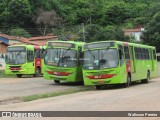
x,y
80,57
43,52
102,61
43,49
80,61
79,54
120,54
66,57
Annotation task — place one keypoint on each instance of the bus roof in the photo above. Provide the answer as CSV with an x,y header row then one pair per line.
x,y
73,42
121,42
23,45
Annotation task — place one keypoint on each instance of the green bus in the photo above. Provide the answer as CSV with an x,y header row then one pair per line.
x,y
62,63
24,60
115,62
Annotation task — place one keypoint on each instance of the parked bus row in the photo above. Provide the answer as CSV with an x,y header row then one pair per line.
x,y
96,63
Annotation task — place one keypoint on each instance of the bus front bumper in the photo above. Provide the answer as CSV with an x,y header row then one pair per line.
x,y
69,78
117,79
15,72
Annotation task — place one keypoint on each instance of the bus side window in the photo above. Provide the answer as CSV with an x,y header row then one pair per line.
x,y
147,52
126,51
136,53
37,53
154,54
150,54
30,56
143,54
43,52
121,54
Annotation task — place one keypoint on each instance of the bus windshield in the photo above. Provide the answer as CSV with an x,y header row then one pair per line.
x,y
60,57
100,59
15,56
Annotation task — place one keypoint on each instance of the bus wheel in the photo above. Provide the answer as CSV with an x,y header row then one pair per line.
x,y
98,87
19,75
127,84
57,81
38,72
147,79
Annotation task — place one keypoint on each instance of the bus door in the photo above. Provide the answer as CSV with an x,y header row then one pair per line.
x,y
152,59
132,58
30,62
37,54
122,61
127,57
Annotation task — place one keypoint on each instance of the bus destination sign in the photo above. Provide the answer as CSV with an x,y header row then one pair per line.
x,y
61,44
99,45
15,48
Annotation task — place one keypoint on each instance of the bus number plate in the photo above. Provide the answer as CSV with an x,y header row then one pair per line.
x,y
58,76
101,82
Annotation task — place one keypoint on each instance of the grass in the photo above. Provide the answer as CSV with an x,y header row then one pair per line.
x,y
54,94
3,75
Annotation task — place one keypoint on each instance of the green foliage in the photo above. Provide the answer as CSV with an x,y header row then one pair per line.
x,y
103,19
91,32
102,12
19,32
128,25
116,14
54,94
151,35
19,13
112,33
94,32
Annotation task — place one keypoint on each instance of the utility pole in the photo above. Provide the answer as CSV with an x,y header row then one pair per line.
x,y
83,32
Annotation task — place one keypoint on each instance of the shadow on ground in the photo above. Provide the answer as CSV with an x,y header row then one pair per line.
x,y
121,86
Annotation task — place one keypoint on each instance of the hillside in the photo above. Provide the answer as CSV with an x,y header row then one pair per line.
x,y
100,18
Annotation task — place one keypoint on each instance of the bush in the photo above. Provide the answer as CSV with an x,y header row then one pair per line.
x,y
19,32
94,32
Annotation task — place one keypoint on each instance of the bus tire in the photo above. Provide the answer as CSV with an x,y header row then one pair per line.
x,y
147,79
128,83
19,75
57,81
98,87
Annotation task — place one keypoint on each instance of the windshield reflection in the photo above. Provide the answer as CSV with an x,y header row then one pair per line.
x,y
15,57
100,59
60,57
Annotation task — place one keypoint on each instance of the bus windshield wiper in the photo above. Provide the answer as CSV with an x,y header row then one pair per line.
x,y
18,53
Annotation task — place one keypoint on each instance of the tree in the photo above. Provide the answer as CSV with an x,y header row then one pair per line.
x,y
91,32
19,13
116,14
151,35
111,33
47,19
20,32
95,32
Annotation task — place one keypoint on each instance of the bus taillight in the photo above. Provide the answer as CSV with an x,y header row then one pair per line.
x,y
101,76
